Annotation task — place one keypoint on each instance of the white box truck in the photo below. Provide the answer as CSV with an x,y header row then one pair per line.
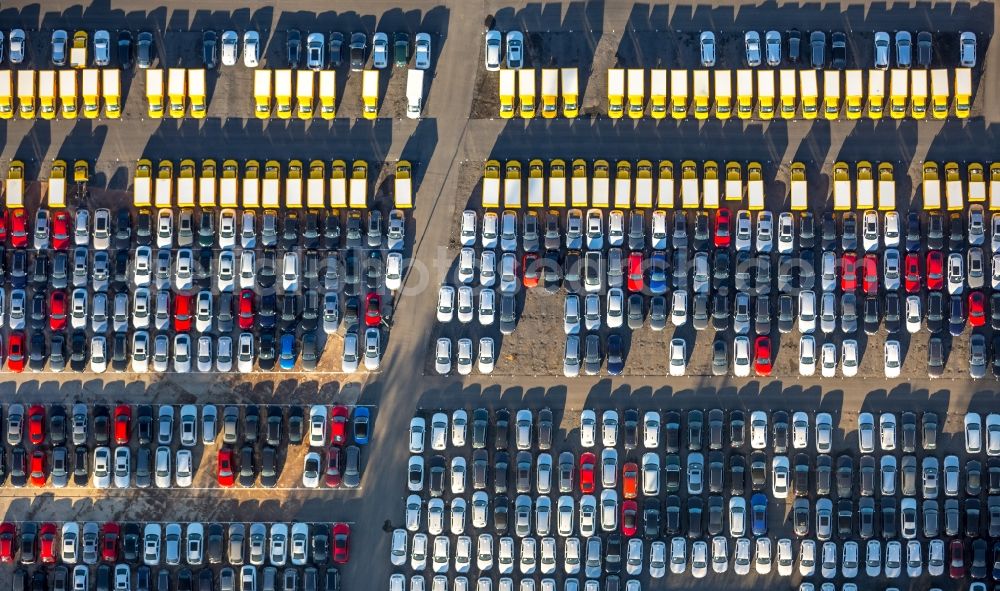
x,y
414,93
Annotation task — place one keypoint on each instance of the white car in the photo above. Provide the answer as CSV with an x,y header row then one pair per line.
x,y
464,356
828,360
184,468
887,431
873,558
893,359
465,307
849,358
866,432
993,434
616,308
914,559
955,267
486,359
677,357
758,429
786,233
824,432
786,560
251,49
807,355
466,265
442,356
780,477
588,428
741,356
102,48
651,429
418,552
828,561
764,239
491,230
487,307
484,552
678,555
349,359
699,559
762,555
807,558
467,233
422,51
397,552
494,50
973,433
393,271
17,45
505,555
935,557
657,559
230,48
913,314
310,471
373,349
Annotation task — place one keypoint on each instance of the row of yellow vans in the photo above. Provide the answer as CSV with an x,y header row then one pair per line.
x,y
182,86
635,186
630,186
520,84
789,93
44,93
312,186
797,92
56,197
272,90
957,192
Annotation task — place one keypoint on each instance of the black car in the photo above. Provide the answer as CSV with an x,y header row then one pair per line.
x,y
672,520
925,49
651,518
817,49
737,474
545,426
119,352
294,45
838,53
145,49
78,350
845,476
716,426
502,438
613,554
358,48
794,46
935,230
125,49
893,317
871,315
501,465
780,431
335,49
269,467
501,511
616,361
437,467
737,428
956,315
758,470
251,424
672,431
695,420
296,424
935,312
695,507
40,273
480,427
320,544
824,474
913,232
248,470
720,358
18,466
81,470
37,352
310,353
956,231
210,49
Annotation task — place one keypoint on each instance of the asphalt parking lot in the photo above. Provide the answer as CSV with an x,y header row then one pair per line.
x,y
449,147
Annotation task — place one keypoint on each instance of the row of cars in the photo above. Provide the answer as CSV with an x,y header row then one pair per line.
x,y
193,544
167,438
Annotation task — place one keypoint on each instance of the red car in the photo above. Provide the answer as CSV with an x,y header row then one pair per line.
x,y
47,543
8,539
15,352
373,310
911,273
183,304
18,228
57,310
636,284
587,463
338,425
722,217
333,473
246,309
870,279
123,417
977,308
956,566
109,545
935,270
762,356
224,468
36,424
529,266
630,480
3,226
38,473
61,225
849,276
630,511
341,543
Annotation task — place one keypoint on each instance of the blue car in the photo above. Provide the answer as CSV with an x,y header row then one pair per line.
x,y
361,424
616,360
286,359
658,272
758,510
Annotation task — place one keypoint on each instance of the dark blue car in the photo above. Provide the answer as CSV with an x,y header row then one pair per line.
x,y
616,359
758,511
